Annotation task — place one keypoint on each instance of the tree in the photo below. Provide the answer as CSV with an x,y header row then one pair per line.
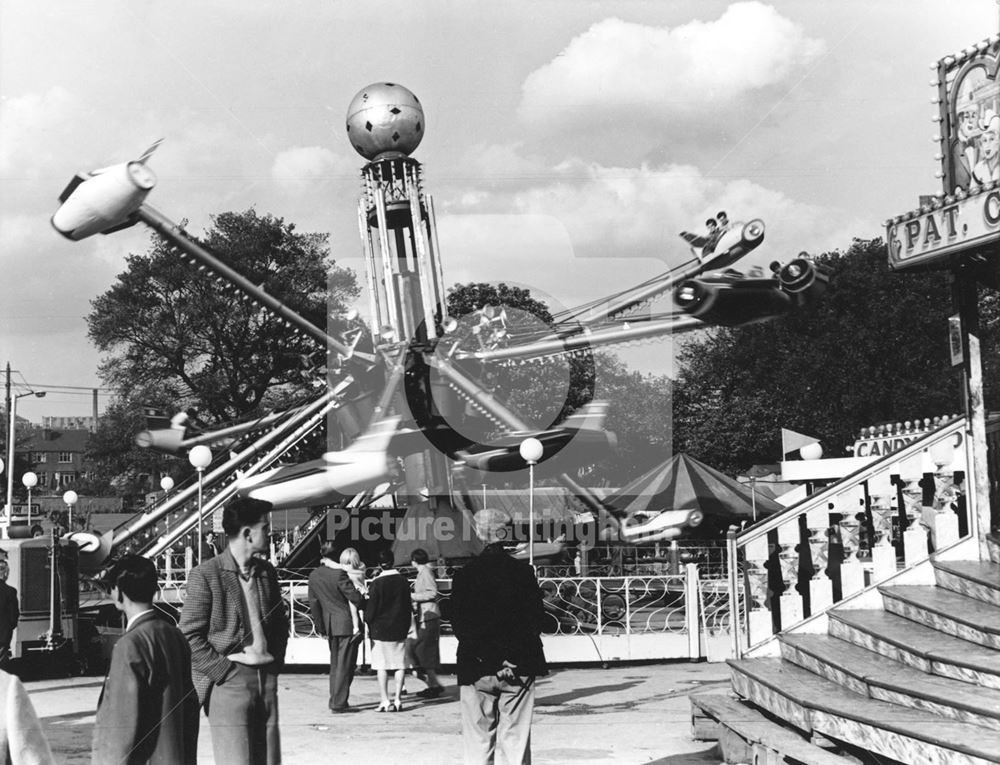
x,y
546,390
540,391
872,349
119,465
165,323
639,414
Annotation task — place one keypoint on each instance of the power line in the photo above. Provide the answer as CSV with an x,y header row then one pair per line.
x,y
91,388
88,388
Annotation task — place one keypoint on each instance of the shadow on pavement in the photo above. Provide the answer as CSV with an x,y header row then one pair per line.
x,y
708,757
565,698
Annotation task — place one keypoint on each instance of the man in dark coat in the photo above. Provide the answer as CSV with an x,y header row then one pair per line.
x,y
496,614
148,709
235,620
331,593
10,613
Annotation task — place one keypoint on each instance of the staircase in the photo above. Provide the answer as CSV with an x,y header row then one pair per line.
x,y
907,673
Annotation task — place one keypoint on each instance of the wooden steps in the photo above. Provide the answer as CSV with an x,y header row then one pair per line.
x,y
917,682
918,646
816,705
946,611
976,579
876,677
746,735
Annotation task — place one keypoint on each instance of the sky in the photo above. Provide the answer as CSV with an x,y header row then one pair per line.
x,y
566,145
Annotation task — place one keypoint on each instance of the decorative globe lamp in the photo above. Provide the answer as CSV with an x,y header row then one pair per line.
x,y
531,451
30,481
200,458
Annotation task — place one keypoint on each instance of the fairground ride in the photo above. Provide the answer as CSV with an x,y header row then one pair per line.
x,y
413,392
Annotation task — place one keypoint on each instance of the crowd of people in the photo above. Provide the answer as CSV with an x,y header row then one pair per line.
x,y
224,656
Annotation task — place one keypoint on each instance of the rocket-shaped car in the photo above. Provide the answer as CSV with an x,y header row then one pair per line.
x,y
104,200
332,477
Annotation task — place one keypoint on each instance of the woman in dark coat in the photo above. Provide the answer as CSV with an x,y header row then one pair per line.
x,y
388,618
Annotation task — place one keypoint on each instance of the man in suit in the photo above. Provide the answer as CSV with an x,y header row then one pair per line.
x,y
331,593
10,613
496,614
235,620
148,709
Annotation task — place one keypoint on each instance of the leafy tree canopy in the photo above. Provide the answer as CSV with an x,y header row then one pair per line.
x,y
167,325
120,466
872,349
546,390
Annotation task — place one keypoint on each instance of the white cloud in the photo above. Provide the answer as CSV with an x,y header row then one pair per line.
x,y
697,70
33,126
623,212
299,169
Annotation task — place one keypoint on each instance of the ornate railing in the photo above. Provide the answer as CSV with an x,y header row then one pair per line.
x,y
854,534
659,617
573,605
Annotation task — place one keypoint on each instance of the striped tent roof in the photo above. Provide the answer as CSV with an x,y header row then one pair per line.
x,y
684,483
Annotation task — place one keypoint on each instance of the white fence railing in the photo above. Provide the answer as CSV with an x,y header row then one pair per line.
x,y
599,618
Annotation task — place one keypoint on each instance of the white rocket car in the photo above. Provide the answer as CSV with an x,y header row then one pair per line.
x,y
104,200
365,463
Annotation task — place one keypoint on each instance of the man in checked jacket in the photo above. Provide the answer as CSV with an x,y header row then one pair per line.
x,y
235,620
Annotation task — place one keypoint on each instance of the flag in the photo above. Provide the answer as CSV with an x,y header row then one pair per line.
x,y
792,441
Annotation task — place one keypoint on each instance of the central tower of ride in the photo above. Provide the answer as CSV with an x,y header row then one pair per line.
x,y
385,124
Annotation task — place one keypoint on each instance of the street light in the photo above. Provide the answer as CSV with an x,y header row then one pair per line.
x,y
200,457
5,521
70,498
531,451
167,483
30,481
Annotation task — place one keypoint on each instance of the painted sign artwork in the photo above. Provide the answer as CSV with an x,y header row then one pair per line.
x,y
970,119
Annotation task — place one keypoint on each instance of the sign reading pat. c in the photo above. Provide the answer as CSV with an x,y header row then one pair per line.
x,y
948,227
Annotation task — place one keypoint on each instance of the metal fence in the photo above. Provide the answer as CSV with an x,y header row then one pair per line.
x,y
591,618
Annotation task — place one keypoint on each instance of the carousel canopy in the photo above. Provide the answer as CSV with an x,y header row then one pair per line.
x,y
684,483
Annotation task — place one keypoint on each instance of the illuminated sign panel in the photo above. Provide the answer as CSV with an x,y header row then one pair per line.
x,y
966,215
969,98
947,227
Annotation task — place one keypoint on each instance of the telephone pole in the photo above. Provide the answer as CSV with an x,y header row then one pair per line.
x,y
10,449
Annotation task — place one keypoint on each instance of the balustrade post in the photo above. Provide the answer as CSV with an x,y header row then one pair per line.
x,y
944,529
915,536
188,560
168,564
692,611
882,493
820,586
788,561
852,575
759,612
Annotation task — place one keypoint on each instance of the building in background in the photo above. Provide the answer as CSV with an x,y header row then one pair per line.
x,y
58,456
69,423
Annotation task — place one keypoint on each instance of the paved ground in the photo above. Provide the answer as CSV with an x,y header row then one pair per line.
x,y
628,714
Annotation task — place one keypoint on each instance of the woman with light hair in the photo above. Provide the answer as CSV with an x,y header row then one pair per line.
x,y
988,167
350,562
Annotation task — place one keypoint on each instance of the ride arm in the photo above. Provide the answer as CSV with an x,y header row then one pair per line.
x,y
178,237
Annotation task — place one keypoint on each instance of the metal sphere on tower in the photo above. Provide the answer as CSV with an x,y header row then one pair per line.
x,y
385,119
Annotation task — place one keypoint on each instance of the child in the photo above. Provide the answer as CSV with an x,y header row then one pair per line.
x,y
351,564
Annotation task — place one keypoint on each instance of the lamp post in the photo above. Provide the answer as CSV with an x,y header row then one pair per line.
x,y
531,451
12,419
70,498
166,483
200,457
30,481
